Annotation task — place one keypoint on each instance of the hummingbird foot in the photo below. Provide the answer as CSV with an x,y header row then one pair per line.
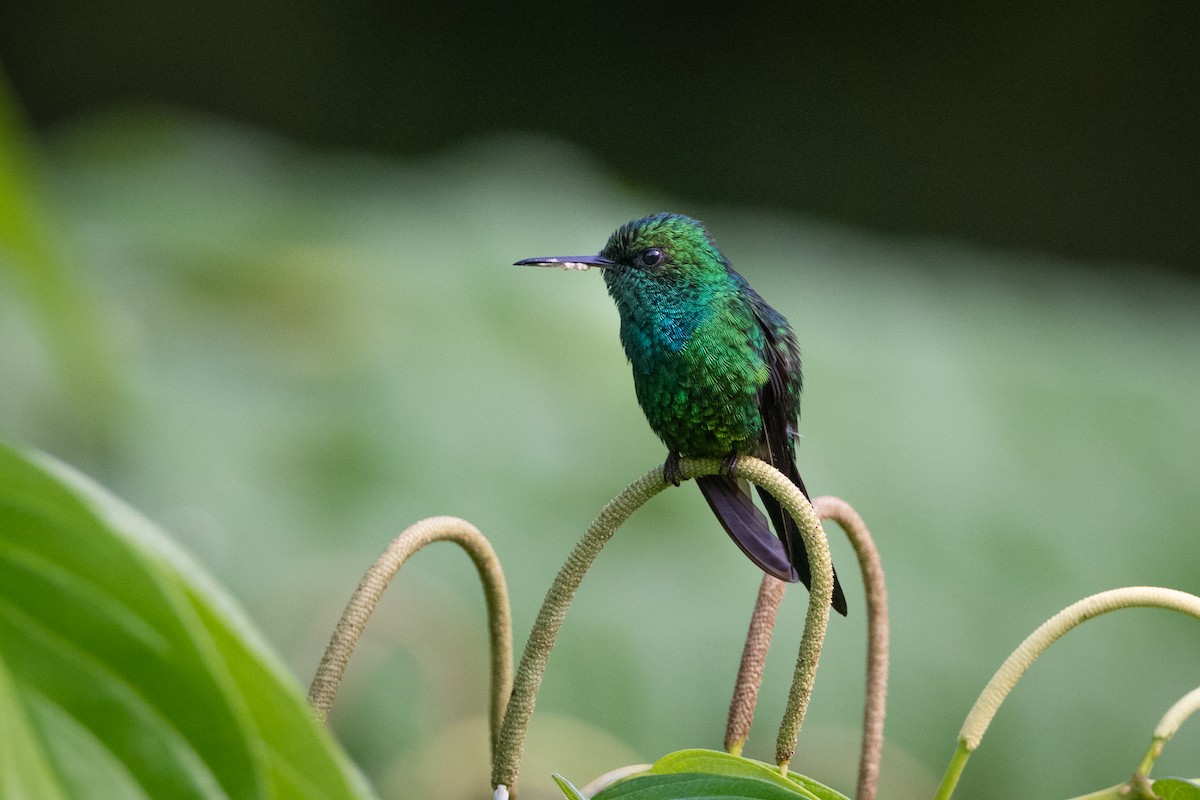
x,y
672,474
727,463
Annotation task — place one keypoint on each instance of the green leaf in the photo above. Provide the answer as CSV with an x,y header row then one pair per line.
x,y
568,789
817,788
699,786
711,773
124,672
696,786
24,769
1176,789
721,763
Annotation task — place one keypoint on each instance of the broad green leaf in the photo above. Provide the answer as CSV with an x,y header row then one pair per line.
x,y
1177,789
817,788
710,773
124,672
24,769
699,786
568,789
721,763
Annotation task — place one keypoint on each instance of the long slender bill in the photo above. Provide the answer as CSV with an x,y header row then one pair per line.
x,y
566,262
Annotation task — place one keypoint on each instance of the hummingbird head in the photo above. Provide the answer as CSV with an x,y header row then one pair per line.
x,y
670,246
667,247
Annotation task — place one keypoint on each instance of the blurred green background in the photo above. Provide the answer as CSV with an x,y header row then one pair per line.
x,y
254,276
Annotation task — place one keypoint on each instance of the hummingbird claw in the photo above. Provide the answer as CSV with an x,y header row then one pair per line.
x,y
672,474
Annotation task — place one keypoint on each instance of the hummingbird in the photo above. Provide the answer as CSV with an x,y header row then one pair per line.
x,y
716,371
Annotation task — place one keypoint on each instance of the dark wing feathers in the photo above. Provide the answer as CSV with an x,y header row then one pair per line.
x,y
779,403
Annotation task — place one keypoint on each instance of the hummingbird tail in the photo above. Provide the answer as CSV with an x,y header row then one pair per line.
x,y
746,525
793,543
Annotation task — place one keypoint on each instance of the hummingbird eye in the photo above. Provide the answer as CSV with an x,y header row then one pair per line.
x,y
650,258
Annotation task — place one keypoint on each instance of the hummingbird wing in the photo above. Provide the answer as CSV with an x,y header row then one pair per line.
x,y
779,404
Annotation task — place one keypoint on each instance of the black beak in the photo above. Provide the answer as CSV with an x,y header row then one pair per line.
x,y
566,262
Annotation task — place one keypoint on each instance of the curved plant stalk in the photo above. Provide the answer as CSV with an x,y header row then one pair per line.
x,y
820,596
354,619
754,658
1140,785
1014,666
1176,715
511,744
875,703
758,641
506,758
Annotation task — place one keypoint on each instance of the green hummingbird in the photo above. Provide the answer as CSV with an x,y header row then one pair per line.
x,y
716,370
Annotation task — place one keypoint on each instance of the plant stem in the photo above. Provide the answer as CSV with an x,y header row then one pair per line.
x,y
953,771
754,657
791,498
370,590
1136,788
758,641
511,745
875,704
1035,644
1176,715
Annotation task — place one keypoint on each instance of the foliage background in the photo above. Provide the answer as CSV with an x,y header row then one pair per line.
x,y
1034,123
286,337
